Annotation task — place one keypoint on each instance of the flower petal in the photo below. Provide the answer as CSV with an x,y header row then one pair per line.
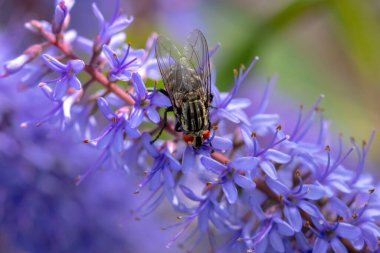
x,y
111,57
358,243
294,217
309,208
313,192
277,156
228,115
212,165
76,65
137,116
244,181
146,138
230,192
348,231
188,159
132,132
370,238
54,64
118,141
190,194
283,227
153,114
75,83
277,186
276,241
269,169
98,15
168,177
247,163
160,100
106,109
139,85
203,220
220,143
338,246
174,164
60,88
320,246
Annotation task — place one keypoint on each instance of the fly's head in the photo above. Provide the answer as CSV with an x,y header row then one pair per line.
x,y
196,139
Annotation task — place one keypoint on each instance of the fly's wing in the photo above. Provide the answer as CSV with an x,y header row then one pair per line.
x,y
168,57
196,52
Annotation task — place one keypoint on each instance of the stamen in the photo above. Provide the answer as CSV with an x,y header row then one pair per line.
x,y
299,118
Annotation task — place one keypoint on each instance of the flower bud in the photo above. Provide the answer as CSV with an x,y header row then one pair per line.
x,y
59,17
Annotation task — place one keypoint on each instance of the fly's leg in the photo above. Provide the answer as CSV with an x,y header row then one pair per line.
x,y
211,99
163,91
209,128
168,109
178,127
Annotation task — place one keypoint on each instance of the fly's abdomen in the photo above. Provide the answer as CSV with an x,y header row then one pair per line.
x,y
194,116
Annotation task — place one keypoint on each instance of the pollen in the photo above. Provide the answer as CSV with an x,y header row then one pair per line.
x,y
253,134
86,141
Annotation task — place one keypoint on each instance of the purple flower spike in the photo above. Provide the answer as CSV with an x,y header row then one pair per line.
x,y
67,72
265,187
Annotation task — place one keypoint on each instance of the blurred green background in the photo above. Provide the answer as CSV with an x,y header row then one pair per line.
x,y
315,46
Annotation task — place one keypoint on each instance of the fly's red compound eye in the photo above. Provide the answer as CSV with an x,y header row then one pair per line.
x,y
206,134
188,138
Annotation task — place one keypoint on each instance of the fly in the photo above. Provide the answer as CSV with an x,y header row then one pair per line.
x,y
187,80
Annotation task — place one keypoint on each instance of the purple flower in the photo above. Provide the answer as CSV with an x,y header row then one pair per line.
x,y
120,68
297,198
270,235
116,24
327,235
67,74
207,210
111,141
237,172
144,102
362,214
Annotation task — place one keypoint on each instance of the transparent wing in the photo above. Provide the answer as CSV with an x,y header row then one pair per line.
x,y
196,52
168,56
